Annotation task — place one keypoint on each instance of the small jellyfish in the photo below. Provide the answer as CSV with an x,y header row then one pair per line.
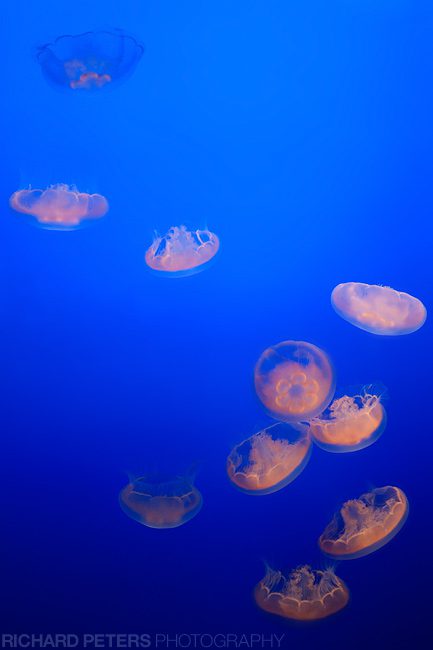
x,y
378,310
59,207
89,61
305,595
294,381
269,460
182,252
366,524
350,423
159,502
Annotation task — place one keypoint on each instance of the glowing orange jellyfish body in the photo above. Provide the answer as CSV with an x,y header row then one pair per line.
x,y
269,460
294,380
305,595
159,503
366,524
349,423
181,251
60,206
378,310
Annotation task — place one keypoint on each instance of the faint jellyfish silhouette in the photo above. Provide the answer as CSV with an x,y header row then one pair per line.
x,y
305,594
294,380
182,252
366,524
89,61
377,309
350,423
160,502
59,207
270,459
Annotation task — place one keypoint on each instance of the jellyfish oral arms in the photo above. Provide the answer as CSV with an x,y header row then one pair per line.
x,y
89,61
159,503
59,206
181,251
269,460
366,524
304,595
294,381
377,309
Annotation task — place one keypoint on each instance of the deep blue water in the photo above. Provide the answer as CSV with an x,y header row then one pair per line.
x,y
300,132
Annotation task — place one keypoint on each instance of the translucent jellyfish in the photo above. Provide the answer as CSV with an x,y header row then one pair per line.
x,y
305,595
379,310
366,524
350,423
269,460
89,61
181,251
294,380
158,502
59,207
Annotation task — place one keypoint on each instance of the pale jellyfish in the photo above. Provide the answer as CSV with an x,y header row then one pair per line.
x,y
182,252
377,309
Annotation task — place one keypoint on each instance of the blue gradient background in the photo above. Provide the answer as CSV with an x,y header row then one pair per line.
x,y
301,132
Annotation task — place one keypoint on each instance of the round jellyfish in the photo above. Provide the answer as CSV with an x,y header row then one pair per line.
x,y
305,595
59,207
269,460
350,423
294,381
366,524
89,61
158,502
181,251
377,309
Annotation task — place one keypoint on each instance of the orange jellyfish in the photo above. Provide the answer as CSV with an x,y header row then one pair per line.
x,y
294,380
161,503
59,207
181,251
377,309
305,595
366,524
350,423
269,460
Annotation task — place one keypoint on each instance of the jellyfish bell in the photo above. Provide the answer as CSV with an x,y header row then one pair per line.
x,y
305,594
294,380
269,460
59,207
351,422
182,252
364,525
91,61
378,310
160,502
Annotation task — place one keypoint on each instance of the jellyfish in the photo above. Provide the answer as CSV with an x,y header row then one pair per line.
x,y
182,252
294,381
377,309
160,502
305,595
269,460
350,423
89,61
59,207
366,524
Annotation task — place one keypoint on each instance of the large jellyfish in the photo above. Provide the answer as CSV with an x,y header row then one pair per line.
x,y
269,460
89,61
294,380
305,595
59,207
377,309
159,502
366,524
350,423
181,251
